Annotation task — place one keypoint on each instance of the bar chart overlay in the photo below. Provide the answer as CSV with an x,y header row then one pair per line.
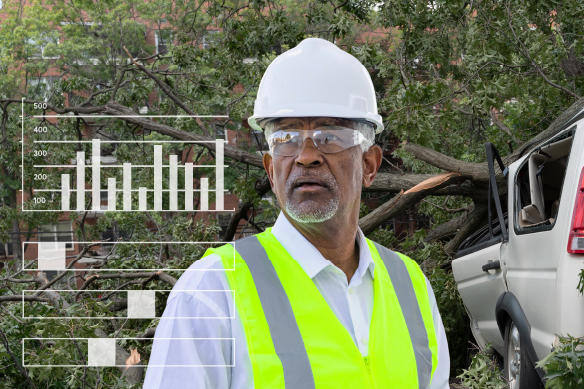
x,y
100,174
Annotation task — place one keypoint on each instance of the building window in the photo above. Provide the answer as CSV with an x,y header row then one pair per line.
x,y
219,132
163,40
42,86
209,38
59,232
42,47
6,249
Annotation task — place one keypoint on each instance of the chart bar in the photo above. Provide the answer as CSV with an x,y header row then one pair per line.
x,y
111,194
142,199
219,178
204,194
95,174
158,177
172,182
188,186
80,173
65,191
127,186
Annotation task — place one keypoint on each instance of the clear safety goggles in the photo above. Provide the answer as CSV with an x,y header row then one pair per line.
x,y
329,139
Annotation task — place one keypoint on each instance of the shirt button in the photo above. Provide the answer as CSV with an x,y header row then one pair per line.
x,y
351,291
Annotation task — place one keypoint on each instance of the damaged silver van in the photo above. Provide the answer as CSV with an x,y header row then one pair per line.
x,y
518,276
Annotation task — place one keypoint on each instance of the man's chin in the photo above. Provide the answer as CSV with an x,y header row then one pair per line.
x,y
311,213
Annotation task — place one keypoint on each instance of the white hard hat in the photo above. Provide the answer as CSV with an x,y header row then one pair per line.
x,y
316,78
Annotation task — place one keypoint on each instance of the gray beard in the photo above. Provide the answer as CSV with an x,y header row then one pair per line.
x,y
309,214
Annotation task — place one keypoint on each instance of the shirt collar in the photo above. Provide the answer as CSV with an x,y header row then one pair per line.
x,y
309,258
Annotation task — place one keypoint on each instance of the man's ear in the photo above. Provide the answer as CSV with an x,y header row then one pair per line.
x,y
269,167
371,162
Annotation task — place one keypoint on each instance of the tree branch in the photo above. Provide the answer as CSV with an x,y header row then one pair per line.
x,y
405,200
448,228
16,298
474,220
475,171
15,360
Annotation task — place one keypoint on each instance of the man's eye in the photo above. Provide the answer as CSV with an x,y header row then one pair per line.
x,y
283,138
287,138
329,138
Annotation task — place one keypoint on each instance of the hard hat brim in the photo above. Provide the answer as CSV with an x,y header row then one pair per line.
x,y
316,110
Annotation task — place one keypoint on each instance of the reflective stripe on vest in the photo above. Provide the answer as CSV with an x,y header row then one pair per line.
x,y
400,278
284,331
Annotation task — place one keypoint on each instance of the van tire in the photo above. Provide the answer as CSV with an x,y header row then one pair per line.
x,y
520,372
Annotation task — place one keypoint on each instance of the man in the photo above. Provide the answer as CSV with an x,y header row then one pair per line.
x,y
314,304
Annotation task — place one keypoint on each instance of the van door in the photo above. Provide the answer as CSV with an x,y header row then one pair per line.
x,y
478,269
540,219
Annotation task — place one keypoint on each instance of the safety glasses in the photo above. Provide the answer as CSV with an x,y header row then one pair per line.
x,y
328,139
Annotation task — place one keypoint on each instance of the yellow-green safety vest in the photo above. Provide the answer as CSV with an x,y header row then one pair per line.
x,y
294,339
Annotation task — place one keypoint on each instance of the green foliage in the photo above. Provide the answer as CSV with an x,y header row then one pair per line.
x,y
483,373
564,366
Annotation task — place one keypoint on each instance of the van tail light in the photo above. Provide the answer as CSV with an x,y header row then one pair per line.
x,y
576,239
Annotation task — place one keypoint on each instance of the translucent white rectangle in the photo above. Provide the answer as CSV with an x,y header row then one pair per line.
x,y
95,174
111,194
142,199
127,186
204,194
51,256
101,352
80,173
188,186
219,177
28,264
158,177
172,182
141,304
65,191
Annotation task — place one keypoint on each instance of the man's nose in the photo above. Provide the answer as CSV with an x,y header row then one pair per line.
x,y
308,155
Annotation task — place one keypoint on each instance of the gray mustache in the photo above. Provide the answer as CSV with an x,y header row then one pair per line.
x,y
325,178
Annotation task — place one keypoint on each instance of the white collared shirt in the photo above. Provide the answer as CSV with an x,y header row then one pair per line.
x,y
223,361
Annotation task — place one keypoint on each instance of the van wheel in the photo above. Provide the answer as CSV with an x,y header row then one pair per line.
x,y
519,370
